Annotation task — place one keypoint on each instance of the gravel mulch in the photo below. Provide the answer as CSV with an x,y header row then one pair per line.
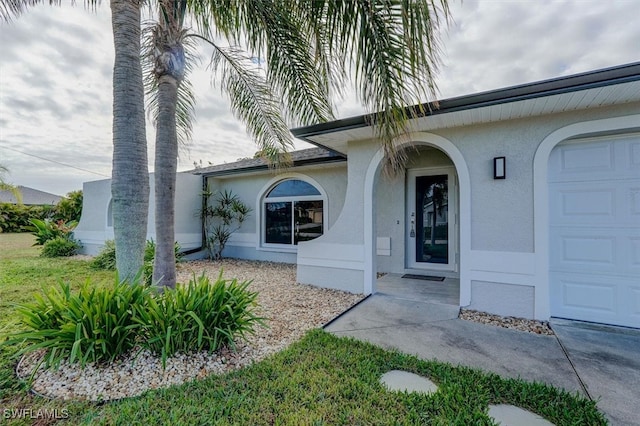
x,y
521,324
291,310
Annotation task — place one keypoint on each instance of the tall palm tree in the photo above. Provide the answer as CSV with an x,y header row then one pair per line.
x,y
130,172
130,183
299,54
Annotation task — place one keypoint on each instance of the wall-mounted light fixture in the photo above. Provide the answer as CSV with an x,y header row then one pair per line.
x,y
499,168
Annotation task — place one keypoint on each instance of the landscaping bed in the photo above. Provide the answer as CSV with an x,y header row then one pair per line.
x,y
290,310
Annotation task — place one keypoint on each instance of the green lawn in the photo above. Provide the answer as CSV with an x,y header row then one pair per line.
x,y
321,380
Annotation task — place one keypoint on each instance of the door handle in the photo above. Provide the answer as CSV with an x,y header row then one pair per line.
x,y
412,233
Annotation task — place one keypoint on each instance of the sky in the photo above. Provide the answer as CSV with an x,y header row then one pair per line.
x,y
56,79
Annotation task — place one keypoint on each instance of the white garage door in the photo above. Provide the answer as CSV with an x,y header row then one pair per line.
x,y
594,188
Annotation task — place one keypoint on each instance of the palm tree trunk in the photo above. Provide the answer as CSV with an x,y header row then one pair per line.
x,y
166,164
130,179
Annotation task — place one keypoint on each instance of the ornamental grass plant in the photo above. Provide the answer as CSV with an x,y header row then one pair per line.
x,y
100,324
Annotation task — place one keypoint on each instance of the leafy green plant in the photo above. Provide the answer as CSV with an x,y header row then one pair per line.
x,y
95,324
60,247
106,259
45,230
69,208
199,315
222,217
15,217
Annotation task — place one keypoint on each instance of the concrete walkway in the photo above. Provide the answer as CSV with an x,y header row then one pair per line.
x,y
600,362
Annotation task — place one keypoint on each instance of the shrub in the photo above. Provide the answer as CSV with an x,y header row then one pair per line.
x,y
96,324
69,208
45,230
99,324
199,316
106,259
15,217
60,247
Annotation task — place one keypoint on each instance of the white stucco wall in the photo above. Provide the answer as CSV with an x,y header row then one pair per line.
x,y
94,228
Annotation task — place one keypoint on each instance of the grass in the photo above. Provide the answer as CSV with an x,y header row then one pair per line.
x,y
320,380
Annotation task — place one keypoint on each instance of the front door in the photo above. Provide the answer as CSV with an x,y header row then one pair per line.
x,y
431,209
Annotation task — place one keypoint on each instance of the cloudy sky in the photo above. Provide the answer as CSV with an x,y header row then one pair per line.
x,y
56,66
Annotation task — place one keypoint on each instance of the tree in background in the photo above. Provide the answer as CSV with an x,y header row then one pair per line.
x,y
69,208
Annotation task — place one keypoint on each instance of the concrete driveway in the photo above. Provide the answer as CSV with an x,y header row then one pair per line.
x,y
600,362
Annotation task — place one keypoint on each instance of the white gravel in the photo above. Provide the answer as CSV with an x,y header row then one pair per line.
x,y
291,310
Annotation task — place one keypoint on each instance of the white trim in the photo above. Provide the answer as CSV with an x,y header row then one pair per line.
x,y
464,202
326,255
503,262
260,199
410,249
541,195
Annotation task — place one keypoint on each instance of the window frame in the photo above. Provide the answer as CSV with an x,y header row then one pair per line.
x,y
262,217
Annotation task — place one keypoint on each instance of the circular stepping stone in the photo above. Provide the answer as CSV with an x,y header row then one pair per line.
x,y
510,415
401,381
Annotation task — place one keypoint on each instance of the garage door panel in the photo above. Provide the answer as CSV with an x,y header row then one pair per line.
x,y
596,298
611,203
597,250
594,233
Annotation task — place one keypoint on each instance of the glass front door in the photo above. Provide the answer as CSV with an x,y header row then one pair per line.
x,y
432,218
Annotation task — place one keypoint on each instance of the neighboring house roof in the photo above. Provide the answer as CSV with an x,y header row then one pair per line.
x,y
30,197
597,88
299,158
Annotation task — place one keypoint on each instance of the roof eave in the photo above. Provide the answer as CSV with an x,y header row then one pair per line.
x,y
566,84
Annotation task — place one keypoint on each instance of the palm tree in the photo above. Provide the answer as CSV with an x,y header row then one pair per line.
x,y
6,186
299,54
130,183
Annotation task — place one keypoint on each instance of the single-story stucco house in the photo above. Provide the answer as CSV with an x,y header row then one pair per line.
x,y
528,195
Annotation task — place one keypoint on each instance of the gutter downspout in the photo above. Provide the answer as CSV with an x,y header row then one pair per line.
x,y
203,236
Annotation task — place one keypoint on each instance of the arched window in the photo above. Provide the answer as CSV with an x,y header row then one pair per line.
x,y
293,212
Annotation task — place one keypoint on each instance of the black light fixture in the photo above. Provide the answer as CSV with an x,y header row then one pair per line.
x,y
499,168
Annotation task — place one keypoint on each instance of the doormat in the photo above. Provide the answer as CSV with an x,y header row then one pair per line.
x,y
423,277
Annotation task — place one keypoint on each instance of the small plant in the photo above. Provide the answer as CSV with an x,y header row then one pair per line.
x,y
45,230
199,316
106,259
96,324
222,218
60,247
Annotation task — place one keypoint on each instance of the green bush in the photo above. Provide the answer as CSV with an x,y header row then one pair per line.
x,y
99,324
69,208
96,324
106,259
15,217
45,230
199,316
60,247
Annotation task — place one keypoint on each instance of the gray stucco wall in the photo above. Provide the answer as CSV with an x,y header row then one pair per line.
x,y
245,243
502,210
94,229
390,206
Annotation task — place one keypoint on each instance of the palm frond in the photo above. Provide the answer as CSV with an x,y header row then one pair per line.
x,y
253,102
15,8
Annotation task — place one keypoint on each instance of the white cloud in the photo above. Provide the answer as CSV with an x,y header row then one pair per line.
x,y
56,62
